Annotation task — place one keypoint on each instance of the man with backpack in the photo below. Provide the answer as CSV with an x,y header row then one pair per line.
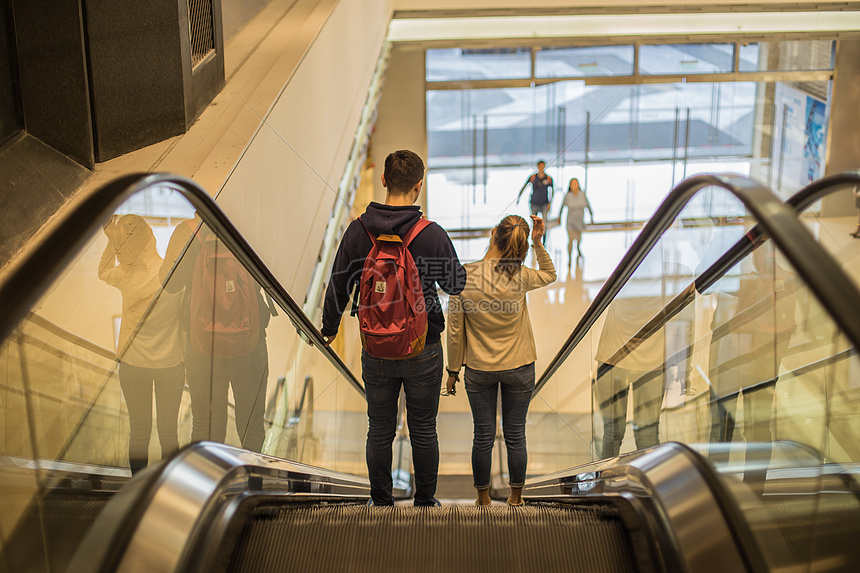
x,y
390,260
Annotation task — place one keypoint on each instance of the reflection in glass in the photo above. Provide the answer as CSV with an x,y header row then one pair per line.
x,y
752,328
148,350
621,373
225,346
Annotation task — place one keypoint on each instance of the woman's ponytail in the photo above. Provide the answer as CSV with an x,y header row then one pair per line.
x,y
512,240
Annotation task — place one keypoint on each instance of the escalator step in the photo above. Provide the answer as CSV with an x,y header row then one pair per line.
x,y
450,538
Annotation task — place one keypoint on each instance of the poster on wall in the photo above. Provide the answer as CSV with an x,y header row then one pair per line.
x,y
813,150
800,124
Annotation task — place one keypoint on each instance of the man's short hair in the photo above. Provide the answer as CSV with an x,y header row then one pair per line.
x,y
403,169
541,161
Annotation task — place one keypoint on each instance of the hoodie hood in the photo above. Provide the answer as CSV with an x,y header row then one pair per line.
x,y
381,219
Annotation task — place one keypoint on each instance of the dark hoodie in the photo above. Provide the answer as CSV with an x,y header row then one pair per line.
x,y
432,251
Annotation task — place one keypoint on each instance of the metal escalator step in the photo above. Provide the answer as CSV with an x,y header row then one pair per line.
x,y
450,538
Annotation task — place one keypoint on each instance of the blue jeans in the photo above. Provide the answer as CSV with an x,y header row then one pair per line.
x,y
518,386
541,210
421,379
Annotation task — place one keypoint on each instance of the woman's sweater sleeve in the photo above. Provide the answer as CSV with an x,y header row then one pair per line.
x,y
544,274
456,334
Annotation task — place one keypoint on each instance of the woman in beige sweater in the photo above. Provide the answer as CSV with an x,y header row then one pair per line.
x,y
489,332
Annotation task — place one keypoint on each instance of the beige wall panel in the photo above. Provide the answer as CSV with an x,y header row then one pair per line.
x,y
282,191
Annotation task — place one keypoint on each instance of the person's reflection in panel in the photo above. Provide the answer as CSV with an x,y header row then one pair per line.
x,y
751,334
149,347
225,318
626,365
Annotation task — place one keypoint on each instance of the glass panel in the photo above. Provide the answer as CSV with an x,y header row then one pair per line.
x,y
153,337
478,64
19,502
836,232
685,59
751,370
786,56
587,61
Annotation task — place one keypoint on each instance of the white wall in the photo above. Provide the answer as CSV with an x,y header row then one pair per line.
x,y
282,191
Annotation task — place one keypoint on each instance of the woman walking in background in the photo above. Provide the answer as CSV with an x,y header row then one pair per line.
x,y
576,203
489,332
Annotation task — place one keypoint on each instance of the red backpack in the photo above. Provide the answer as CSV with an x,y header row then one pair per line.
x,y
392,316
225,312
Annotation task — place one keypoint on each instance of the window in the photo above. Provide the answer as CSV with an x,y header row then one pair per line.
x,y
799,55
584,62
462,64
686,59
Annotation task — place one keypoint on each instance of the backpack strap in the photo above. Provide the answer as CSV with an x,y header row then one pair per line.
x,y
413,231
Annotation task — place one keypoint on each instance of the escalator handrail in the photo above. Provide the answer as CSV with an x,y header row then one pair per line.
x,y
751,241
29,276
820,188
673,476
201,475
836,292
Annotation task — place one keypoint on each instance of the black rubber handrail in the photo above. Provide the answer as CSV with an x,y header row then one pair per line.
x,y
41,263
820,188
836,292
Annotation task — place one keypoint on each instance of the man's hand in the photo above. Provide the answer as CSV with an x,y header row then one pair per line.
x,y
450,385
538,229
327,340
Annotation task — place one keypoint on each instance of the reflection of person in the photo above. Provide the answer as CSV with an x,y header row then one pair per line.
x,y
225,320
640,372
491,334
576,202
148,349
541,184
748,343
420,376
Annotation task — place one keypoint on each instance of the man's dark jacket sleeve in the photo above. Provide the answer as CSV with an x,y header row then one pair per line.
x,y
345,274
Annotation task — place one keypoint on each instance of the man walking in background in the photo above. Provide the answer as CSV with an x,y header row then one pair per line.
x,y
541,183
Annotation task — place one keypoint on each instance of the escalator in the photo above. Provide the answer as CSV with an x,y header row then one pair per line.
x,y
790,503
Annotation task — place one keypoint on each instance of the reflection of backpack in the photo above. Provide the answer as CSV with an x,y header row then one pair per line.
x,y
391,309
224,305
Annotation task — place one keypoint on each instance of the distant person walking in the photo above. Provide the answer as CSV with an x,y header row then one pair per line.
x,y
490,333
540,199
576,202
